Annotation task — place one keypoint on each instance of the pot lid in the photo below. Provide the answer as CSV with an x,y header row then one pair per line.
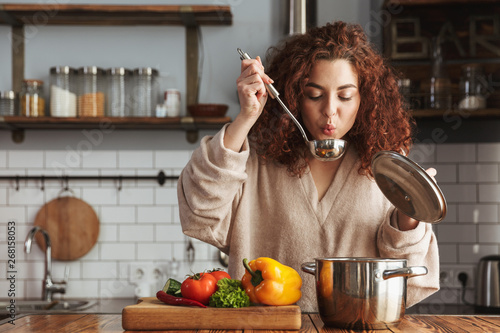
x,y
408,187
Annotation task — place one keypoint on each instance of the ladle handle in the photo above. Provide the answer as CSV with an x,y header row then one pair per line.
x,y
274,94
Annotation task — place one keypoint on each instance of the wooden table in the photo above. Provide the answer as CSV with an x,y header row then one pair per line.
x,y
310,323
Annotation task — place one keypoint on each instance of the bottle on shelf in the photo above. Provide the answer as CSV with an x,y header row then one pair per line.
x,y
439,90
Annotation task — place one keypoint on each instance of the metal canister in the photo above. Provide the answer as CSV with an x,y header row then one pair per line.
x,y
8,105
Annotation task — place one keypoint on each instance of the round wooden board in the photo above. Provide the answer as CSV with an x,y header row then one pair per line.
x,y
72,225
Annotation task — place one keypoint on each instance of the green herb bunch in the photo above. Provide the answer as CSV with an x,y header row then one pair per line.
x,y
229,295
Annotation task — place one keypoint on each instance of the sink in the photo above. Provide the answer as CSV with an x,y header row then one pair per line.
x,y
62,305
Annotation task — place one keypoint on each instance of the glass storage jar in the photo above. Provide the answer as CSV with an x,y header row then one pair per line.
x,y
473,88
438,88
8,105
31,98
119,103
91,91
145,91
62,92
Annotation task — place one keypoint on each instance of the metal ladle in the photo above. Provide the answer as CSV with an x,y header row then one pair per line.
x,y
324,150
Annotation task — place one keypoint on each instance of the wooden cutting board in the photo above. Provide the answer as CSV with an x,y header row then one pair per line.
x,y
73,227
151,314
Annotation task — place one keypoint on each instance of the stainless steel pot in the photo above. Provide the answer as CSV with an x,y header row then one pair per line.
x,y
361,293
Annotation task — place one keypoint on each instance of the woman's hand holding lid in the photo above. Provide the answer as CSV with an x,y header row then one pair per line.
x,y
407,223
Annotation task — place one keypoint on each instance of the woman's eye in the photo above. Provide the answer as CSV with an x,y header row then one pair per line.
x,y
314,98
346,98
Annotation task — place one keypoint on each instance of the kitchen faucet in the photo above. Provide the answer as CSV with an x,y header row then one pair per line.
x,y
49,287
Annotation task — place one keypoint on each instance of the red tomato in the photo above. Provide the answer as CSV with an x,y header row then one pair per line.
x,y
199,287
220,274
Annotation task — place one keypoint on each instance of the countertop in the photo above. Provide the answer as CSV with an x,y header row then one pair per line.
x,y
88,322
110,306
103,306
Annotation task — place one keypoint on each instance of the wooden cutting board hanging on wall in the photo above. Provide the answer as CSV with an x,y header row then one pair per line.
x,y
72,225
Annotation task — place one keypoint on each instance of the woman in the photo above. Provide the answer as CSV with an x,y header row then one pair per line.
x,y
254,189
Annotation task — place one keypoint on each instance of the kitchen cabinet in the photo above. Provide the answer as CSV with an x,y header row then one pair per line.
x,y
84,322
191,17
469,31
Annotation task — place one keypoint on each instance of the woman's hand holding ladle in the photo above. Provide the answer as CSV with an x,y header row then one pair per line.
x,y
252,95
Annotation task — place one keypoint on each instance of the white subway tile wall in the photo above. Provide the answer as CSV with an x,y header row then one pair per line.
x,y
469,176
140,223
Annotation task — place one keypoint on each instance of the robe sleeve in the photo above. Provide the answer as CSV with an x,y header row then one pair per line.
x,y
419,247
208,190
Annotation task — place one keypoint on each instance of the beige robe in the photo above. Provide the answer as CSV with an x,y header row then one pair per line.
x,y
249,209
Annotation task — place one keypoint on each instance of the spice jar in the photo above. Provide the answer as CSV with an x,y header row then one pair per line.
x,y
172,101
119,82
91,91
145,91
32,99
8,103
62,92
473,88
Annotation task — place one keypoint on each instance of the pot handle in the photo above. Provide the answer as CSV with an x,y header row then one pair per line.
x,y
309,267
404,272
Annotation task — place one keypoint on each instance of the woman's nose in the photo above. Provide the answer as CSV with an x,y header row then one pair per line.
x,y
330,109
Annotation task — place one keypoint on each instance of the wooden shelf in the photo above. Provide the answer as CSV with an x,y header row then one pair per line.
x,y
480,113
181,123
435,2
17,124
62,14
189,16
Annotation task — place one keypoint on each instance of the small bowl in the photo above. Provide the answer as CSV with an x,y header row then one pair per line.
x,y
207,110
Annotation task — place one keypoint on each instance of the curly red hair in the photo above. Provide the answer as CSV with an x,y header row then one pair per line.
x,y
382,121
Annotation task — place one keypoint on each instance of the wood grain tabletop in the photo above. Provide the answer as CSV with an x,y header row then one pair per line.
x,y
311,323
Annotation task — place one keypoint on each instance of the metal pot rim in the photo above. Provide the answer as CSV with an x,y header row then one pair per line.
x,y
359,259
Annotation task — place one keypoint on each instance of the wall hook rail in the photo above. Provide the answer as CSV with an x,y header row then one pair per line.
x,y
161,178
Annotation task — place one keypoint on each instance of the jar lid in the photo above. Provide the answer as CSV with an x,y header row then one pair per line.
x,y
34,83
62,70
90,70
146,71
118,71
7,94
472,66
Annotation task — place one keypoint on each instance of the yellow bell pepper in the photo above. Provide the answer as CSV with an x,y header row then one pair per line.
x,y
266,281
326,279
